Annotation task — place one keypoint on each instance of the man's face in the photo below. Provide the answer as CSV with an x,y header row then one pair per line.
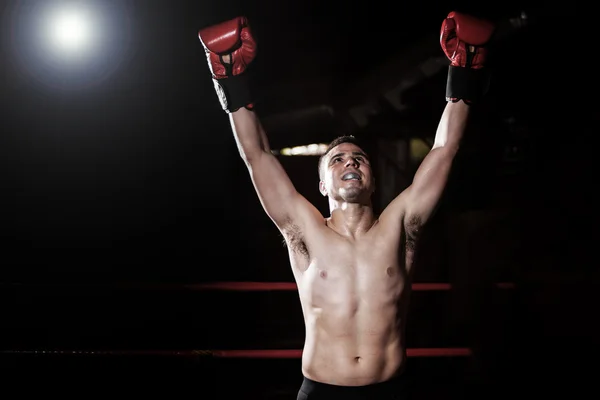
x,y
347,175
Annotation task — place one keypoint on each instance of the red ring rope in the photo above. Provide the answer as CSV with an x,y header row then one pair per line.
x,y
261,286
423,352
268,354
256,286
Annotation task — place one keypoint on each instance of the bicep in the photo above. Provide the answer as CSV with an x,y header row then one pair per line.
x,y
417,203
276,192
429,183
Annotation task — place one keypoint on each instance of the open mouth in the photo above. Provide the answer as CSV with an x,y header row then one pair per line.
x,y
351,176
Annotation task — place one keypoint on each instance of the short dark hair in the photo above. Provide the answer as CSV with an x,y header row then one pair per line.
x,y
336,142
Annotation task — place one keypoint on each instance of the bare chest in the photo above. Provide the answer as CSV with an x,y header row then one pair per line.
x,y
368,272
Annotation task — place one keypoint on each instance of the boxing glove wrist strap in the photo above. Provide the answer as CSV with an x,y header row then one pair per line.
x,y
233,92
466,84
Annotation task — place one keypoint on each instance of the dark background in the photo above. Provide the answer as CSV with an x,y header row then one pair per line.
x,y
118,193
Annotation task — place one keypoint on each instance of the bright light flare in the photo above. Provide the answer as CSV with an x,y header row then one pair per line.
x,y
70,30
70,44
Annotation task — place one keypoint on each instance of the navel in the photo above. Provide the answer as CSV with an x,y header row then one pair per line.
x,y
390,271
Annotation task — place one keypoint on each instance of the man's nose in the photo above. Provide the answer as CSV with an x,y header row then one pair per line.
x,y
351,162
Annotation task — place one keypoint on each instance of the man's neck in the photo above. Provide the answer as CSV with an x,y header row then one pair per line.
x,y
351,219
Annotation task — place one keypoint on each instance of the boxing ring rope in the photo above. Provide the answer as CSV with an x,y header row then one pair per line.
x,y
233,286
283,286
268,354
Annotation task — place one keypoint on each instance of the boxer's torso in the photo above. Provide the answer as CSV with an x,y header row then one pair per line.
x,y
354,294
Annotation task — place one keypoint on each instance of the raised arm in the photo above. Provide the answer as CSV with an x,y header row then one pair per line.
x,y
230,47
462,38
429,182
278,196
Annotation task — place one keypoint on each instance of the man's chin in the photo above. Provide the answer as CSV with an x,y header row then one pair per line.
x,y
353,195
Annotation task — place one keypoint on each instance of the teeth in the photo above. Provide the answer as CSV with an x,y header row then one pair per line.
x,y
350,175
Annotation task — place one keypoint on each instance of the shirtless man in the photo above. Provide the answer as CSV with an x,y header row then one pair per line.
x,y
353,269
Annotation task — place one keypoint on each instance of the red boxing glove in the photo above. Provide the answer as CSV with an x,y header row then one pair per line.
x,y
232,38
463,39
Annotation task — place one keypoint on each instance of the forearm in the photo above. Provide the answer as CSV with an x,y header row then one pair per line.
x,y
452,126
249,134
463,38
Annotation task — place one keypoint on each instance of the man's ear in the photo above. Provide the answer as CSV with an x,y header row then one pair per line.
x,y
322,188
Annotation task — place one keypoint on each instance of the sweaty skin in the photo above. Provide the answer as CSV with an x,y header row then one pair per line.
x,y
352,287
352,269
351,279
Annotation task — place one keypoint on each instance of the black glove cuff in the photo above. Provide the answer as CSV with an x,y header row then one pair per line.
x,y
467,84
234,92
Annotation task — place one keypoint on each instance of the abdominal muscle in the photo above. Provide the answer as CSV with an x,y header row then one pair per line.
x,y
352,347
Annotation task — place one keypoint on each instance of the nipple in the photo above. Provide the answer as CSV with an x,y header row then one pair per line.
x,y
323,274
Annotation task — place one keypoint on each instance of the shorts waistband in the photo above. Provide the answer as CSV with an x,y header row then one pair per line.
x,y
396,385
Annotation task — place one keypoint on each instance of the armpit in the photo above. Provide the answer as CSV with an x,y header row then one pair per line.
x,y
413,228
294,238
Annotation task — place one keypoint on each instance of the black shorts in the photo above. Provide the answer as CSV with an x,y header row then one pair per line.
x,y
397,388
